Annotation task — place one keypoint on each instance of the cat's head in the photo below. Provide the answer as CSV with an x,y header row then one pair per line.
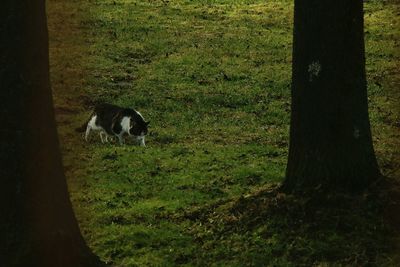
x,y
138,128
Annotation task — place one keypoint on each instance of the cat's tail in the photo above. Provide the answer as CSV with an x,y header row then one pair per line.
x,y
82,128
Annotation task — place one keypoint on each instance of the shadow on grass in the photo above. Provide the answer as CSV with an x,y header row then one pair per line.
x,y
269,227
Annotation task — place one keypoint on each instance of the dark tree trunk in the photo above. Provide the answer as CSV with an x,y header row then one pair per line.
x,y
38,226
330,136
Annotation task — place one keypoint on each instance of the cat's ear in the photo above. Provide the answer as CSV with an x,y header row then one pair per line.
x,y
147,122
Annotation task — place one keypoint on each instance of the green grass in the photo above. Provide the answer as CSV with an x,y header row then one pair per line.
x,y
213,77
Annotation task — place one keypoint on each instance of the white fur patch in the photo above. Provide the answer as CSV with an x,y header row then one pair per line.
x,y
92,126
126,124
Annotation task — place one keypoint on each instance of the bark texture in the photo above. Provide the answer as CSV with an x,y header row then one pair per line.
x,y
330,136
38,226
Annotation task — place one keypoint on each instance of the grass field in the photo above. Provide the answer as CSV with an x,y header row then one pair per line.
x,y
213,77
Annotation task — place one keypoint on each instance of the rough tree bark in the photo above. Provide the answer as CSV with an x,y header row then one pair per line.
x,y
38,226
330,136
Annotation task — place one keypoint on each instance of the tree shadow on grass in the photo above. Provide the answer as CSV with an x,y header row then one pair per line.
x,y
269,227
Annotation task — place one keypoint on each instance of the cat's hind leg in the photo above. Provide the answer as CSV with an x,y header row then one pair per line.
x,y
101,137
88,128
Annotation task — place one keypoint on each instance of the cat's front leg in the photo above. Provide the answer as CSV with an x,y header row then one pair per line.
x,y
140,140
121,139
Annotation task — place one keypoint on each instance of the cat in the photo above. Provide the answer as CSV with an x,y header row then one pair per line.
x,y
112,120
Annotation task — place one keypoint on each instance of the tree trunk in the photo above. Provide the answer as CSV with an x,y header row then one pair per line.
x,y
38,226
330,136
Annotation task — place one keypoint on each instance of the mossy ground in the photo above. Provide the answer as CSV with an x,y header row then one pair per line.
x,y
213,77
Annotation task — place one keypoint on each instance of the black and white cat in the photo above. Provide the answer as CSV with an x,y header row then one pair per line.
x,y
112,120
